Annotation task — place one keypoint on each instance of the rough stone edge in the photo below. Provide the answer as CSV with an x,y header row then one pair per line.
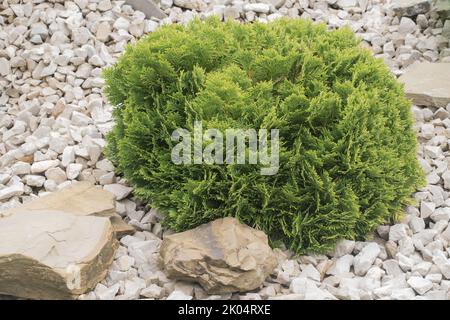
x,y
52,289
66,193
148,7
89,275
175,271
105,257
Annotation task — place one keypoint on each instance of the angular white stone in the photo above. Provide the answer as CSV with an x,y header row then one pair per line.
x,y
420,285
56,174
406,26
398,232
416,224
427,130
16,189
392,267
20,168
446,234
5,67
403,294
119,190
107,293
425,236
365,259
406,246
346,3
433,152
105,165
104,5
422,268
34,180
426,209
107,178
42,166
4,178
178,295
441,214
442,263
301,284
68,156
446,178
57,145
310,272
125,263
103,31
121,24
256,7
73,170
342,265
80,35
153,291
133,288
344,247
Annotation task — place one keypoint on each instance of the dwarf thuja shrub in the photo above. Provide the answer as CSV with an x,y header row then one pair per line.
x,y
347,147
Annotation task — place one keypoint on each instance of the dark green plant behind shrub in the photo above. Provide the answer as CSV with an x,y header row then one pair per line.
x,y
347,147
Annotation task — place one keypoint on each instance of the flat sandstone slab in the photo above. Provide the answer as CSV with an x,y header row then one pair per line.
x,y
428,84
53,255
148,7
80,198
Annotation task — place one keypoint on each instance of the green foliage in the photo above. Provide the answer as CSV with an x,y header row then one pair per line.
x,y
348,150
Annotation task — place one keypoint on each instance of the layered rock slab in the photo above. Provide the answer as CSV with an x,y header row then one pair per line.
x,y
53,254
428,84
80,198
223,256
410,8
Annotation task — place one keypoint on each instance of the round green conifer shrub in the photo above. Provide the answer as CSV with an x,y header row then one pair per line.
x,y
347,148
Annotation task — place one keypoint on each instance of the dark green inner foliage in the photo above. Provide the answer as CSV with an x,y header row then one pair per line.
x,y
347,145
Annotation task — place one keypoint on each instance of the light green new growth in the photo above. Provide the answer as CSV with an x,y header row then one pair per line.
x,y
347,145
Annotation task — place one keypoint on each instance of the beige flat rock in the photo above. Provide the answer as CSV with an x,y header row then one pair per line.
x,y
53,254
81,198
428,84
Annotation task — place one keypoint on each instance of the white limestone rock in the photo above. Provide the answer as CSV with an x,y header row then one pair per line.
x,y
42,166
365,259
119,190
420,285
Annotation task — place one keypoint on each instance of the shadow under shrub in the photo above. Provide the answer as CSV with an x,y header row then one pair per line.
x,y
347,146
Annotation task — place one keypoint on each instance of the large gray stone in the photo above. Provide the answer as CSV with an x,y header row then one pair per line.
x,y
443,8
53,255
428,84
148,7
223,256
410,8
